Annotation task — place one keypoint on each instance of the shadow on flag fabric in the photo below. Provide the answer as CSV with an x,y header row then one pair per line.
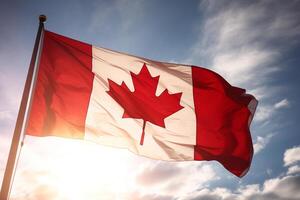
x,y
159,110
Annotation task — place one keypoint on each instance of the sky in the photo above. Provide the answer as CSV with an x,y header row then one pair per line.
x,y
252,44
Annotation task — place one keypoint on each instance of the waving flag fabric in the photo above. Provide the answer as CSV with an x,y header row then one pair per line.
x,y
158,110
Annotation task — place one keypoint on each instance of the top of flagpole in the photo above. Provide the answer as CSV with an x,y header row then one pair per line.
x,y
42,18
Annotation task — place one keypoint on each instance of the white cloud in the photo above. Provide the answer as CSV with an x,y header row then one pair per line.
x,y
291,156
249,190
285,188
265,112
282,104
158,173
167,178
237,46
261,143
293,170
241,67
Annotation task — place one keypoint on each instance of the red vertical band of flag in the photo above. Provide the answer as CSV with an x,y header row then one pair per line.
x,y
63,88
222,116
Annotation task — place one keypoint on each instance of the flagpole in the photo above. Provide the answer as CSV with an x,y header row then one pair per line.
x,y
20,125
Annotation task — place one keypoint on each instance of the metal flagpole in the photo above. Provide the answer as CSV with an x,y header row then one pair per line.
x,y
22,116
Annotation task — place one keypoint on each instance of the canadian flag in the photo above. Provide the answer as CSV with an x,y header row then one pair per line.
x,y
158,110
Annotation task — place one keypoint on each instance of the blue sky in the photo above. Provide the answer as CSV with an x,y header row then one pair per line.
x,y
253,44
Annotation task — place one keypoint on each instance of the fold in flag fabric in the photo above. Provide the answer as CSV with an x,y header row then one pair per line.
x,y
159,110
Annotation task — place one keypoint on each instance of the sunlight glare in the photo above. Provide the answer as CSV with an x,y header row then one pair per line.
x,y
77,169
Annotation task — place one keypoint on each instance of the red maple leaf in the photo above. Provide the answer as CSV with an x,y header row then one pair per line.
x,y
143,103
